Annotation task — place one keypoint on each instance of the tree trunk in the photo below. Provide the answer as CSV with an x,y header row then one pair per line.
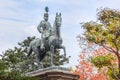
x,y
117,54
119,64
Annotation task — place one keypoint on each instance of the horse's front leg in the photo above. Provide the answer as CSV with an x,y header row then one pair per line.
x,y
40,65
64,49
51,53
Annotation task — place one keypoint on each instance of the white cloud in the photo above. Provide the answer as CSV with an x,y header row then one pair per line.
x,y
60,1
19,19
32,30
7,3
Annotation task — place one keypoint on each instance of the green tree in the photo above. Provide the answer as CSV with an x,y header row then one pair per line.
x,y
101,60
106,62
105,31
11,74
17,57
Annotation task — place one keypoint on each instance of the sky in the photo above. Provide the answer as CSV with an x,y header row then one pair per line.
x,y
20,18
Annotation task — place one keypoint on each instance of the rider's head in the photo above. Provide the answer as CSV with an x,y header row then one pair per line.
x,y
46,16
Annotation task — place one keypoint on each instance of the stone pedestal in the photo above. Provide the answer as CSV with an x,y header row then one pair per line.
x,y
54,73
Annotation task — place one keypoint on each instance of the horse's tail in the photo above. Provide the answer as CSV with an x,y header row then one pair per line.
x,y
29,51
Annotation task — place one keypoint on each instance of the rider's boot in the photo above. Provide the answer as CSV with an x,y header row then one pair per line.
x,y
42,47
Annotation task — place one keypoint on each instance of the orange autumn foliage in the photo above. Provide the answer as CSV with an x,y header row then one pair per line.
x,y
85,69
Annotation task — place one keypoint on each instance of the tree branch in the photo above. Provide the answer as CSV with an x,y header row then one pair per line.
x,y
114,72
108,48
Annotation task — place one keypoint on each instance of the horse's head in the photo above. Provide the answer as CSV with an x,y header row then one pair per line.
x,y
58,20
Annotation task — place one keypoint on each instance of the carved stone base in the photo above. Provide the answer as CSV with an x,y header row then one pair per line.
x,y
53,73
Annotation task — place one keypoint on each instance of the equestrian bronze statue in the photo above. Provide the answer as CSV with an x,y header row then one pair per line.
x,y
50,41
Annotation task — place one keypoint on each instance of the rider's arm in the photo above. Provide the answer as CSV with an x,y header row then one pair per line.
x,y
39,27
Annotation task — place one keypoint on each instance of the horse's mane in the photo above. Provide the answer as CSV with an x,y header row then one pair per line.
x,y
54,27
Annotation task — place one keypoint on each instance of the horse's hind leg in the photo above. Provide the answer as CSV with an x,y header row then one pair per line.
x,y
40,65
52,52
29,51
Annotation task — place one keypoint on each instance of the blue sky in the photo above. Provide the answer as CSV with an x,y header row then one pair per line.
x,y
19,19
